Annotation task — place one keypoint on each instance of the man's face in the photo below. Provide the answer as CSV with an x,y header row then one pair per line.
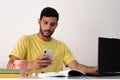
x,y
47,26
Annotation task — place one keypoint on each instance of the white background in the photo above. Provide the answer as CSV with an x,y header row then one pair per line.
x,y
81,23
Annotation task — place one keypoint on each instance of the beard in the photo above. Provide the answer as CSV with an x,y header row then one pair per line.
x,y
46,35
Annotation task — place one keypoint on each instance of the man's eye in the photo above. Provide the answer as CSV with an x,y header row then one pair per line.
x,y
45,22
52,24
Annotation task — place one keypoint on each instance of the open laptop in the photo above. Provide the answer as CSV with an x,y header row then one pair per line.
x,y
108,57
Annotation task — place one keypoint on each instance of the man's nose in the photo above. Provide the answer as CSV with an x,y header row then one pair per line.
x,y
48,26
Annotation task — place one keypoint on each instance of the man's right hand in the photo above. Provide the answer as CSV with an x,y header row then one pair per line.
x,y
41,62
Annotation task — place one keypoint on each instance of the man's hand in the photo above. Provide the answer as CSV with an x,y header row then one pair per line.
x,y
40,62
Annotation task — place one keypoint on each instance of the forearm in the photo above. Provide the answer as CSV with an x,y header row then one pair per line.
x,y
86,69
81,67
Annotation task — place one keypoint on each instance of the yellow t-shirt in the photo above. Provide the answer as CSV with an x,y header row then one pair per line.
x,y
29,47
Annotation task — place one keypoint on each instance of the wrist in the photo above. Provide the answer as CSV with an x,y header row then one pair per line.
x,y
30,66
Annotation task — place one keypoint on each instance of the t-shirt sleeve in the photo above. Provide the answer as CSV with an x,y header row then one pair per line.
x,y
68,57
20,48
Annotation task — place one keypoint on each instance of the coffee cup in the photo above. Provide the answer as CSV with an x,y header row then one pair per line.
x,y
22,65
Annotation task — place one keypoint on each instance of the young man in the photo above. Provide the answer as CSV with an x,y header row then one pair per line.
x,y
30,47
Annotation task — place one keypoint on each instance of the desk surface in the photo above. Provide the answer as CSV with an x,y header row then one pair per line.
x,y
63,78
84,77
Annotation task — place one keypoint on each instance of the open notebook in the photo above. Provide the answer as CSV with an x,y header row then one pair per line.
x,y
64,73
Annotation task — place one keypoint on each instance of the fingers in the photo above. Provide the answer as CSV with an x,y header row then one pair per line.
x,y
45,63
44,57
42,62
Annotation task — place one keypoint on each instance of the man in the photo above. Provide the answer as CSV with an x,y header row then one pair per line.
x,y
30,47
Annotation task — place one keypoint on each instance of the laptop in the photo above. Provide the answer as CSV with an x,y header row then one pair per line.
x,y
108,57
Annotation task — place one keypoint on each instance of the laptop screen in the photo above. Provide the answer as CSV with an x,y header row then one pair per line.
x,y
108,55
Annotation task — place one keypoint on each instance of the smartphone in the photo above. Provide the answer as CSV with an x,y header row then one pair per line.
x,y
48,52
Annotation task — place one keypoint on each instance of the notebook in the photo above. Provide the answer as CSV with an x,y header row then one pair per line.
x,y
108,57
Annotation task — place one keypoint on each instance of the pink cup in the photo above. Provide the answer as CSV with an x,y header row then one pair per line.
x,y
22,65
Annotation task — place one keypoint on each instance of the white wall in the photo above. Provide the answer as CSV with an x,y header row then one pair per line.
x,y
81,23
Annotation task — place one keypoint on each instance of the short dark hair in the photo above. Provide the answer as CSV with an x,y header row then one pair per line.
x,y
49,12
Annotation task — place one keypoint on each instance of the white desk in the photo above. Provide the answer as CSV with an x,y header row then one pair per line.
x,y
64,78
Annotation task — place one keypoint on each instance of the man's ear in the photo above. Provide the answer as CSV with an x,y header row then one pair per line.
x,y
39,21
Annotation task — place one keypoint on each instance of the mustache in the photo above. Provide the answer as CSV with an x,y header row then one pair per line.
x,y
47,31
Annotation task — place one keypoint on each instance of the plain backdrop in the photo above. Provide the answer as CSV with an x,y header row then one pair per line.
x,y
81,23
